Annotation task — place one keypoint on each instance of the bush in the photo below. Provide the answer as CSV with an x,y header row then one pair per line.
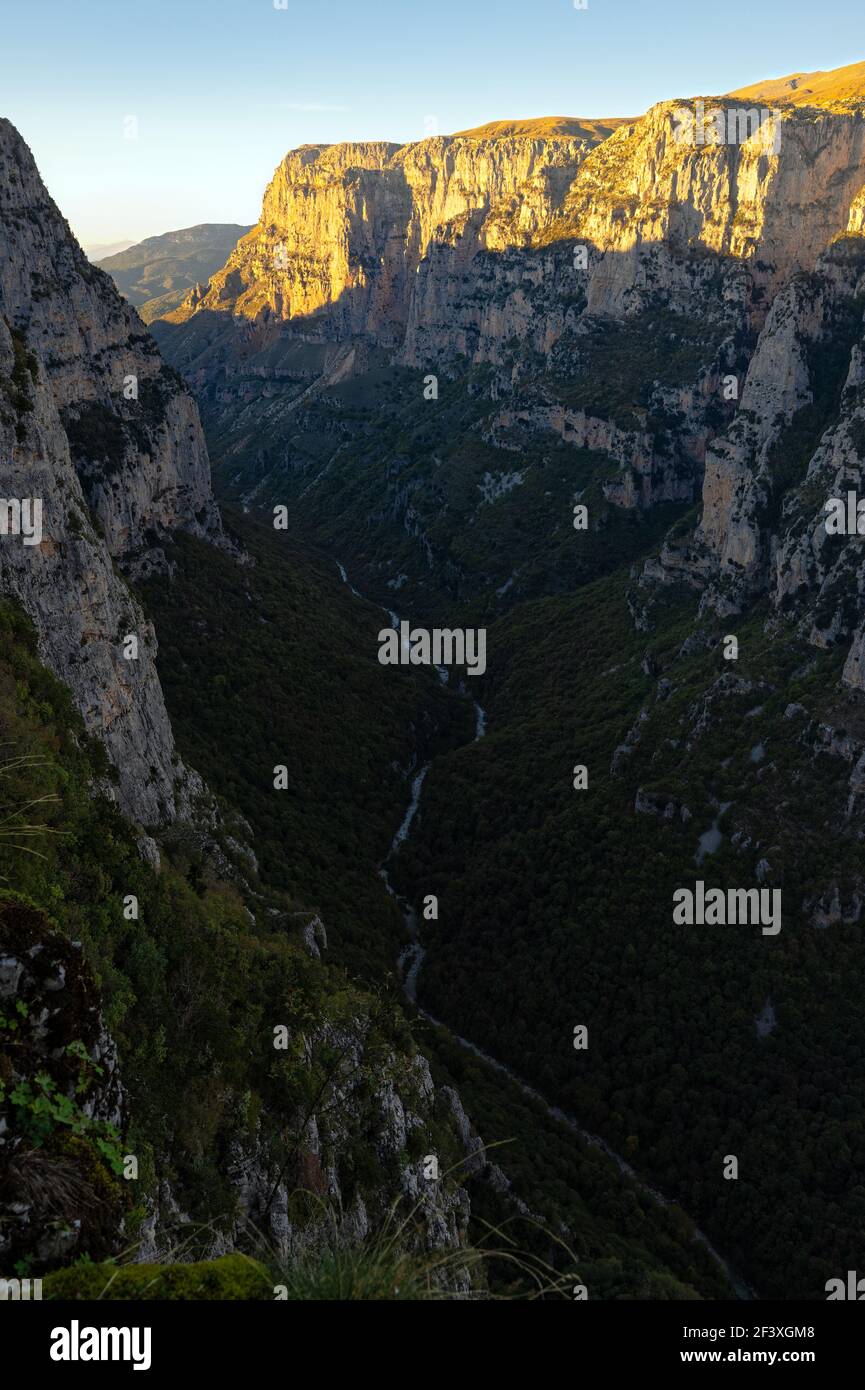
x,y
233,1277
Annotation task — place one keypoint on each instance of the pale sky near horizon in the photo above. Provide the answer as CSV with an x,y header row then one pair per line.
x,y
221,89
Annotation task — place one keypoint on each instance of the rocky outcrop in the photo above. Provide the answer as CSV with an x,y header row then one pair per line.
x,y
319,1197
647,475
795,443
739,479
389,1110
105,437
133,429
58,1200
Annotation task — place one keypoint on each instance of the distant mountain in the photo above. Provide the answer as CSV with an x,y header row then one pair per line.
x,y
542,127
156,274
96,251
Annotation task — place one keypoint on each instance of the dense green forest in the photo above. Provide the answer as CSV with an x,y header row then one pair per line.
x,y
427,513
273,663
556,910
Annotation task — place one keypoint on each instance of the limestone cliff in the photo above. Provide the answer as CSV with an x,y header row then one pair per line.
x,y
518,248
95,427
645,203
409,246
344,228
133,429
797,441
678,292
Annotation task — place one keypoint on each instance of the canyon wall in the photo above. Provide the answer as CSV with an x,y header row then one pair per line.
x,y
97,428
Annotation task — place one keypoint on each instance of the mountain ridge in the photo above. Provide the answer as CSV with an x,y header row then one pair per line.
x,y
156,274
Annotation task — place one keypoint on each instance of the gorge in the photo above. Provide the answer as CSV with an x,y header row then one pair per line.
x,y
581,294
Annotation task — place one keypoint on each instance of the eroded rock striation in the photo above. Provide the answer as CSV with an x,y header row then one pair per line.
x,y
98,429
528,250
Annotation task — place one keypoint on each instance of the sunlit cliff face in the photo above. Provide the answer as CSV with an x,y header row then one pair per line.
x,y
346,230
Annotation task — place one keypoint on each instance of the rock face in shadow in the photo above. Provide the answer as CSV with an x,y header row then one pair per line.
x,y
59,1200
98,430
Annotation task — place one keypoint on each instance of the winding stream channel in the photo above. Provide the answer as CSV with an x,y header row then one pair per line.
x,y
410,963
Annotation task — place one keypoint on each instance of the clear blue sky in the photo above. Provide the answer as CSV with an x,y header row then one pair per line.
x,y
222,88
